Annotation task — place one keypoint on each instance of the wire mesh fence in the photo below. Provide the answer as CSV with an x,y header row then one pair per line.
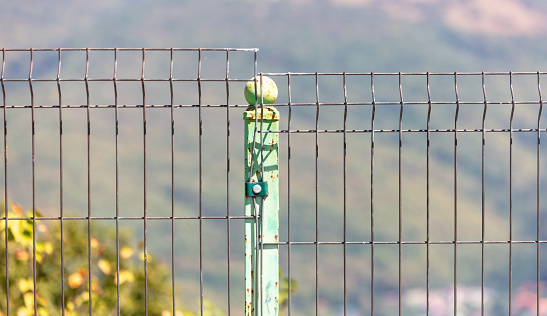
x,y
399,193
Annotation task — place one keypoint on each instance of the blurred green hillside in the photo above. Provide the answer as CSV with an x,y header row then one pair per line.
x,y
296,36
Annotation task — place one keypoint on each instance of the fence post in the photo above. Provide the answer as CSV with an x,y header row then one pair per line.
x,y
262,260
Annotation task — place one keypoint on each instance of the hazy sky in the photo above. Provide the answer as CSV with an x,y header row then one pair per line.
x,y
298,35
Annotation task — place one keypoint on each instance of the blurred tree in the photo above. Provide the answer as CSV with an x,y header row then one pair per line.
x,y
43,238
46,238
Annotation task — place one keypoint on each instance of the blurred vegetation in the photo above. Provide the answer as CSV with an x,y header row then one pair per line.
x,y
74,249
51,249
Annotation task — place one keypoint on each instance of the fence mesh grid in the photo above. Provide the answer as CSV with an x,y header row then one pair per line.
x,y
401,193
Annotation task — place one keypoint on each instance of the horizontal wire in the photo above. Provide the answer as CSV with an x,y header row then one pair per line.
x,y
111,106
56,218
494,73
120,80
130,49
418,242
223,79
277,104
398,103
506,130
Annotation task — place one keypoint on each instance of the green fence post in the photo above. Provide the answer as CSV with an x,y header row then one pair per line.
x,y
262,260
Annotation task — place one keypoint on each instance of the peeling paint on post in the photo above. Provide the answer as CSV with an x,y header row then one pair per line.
x,y
264,257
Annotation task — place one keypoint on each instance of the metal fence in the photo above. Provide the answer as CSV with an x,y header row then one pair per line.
x,y
399,193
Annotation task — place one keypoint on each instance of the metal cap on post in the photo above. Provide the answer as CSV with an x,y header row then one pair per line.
x,y
261,200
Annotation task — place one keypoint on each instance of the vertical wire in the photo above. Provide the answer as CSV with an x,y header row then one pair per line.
x,y
345,195
483,132
116,118
427,190
289,194
258,252
259,227
255,79
172,183
317,195
256,265
200,187
88,124
372,194
261,179
511,193
400,189
61,208
456,194
228,235
145,221
538,261
34,271
5,178
261,129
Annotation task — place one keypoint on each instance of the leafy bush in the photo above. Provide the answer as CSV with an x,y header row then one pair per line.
x,y
80,252
104,277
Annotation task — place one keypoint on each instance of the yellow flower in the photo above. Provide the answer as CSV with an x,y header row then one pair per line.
x,y
94,243
76,279
104,266
126,252
125,276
